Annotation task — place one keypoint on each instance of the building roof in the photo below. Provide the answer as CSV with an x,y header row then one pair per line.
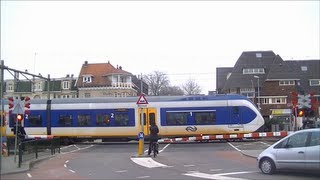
x,y
98,73
251,59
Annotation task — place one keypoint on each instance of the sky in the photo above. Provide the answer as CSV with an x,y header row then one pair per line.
x,y
184,39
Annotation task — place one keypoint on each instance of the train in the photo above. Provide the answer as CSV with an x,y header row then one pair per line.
x,y
120,117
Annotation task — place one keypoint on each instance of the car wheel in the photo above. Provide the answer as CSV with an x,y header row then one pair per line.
x,y
267,166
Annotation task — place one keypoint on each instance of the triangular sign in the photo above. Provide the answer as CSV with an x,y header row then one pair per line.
x,y
142,100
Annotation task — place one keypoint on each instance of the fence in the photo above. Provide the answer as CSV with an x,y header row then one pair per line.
x,y
33,149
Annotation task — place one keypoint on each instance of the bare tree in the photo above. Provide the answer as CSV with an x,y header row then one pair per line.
x,y
191,87
156,82
171,91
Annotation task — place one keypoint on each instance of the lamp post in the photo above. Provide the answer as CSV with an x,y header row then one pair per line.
x,y
257,77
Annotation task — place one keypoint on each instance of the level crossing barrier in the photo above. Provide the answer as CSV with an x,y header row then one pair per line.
x,y
227,136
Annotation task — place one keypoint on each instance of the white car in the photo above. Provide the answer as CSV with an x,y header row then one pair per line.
x,y
299,150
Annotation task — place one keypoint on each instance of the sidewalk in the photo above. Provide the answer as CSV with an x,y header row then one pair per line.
x,y
8,166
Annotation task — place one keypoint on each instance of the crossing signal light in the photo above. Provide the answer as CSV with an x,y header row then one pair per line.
x,y
27,105
300,113
19,117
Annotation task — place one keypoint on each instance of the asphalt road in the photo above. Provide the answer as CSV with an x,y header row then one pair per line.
x,y
218,160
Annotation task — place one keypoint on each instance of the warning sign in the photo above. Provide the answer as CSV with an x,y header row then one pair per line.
x,y
142,100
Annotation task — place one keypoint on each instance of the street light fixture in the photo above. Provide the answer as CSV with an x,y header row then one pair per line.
x,y
257,77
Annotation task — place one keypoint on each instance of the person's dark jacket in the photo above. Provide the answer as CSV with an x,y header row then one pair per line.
x,y
154,130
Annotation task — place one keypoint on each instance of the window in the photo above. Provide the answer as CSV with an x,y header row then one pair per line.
x,y
103,120
248,92
314,82
279,100
65,120
38,86
286,83
34,120
121,119
65,85
87,95
87,79
84,120
315,139
205,118
304,68
297,140
253,71
258,55
177,118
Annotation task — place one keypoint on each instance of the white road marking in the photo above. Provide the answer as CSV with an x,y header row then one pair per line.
x,y
121,171
143,177
215,169
234,147
78,149
72,171
29,175
147,162
265,143
188,165
164,147
221,176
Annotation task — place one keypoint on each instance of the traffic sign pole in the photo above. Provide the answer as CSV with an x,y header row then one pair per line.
x,y
141,140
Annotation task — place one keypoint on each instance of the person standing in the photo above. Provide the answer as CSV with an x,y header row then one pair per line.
x,y
154,130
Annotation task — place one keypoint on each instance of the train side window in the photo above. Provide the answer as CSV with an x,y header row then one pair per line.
x,y
205,118
84,120
121,119
144,119
103,120
34,121
65,120
235,110
177,118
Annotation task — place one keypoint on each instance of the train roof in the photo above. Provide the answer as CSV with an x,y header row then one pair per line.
x,y
135,99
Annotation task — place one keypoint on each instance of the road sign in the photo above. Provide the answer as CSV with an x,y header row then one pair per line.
x,y
140,135
18,107
304,101
142,100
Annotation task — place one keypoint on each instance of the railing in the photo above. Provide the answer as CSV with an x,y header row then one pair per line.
x,y
121,85
33,149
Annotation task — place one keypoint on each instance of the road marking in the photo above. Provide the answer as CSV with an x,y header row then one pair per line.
x,y
221,176
147,162
121,171
72,171
164,147
215,169
143,177
29,175
265,143
234,147
188,165
78,149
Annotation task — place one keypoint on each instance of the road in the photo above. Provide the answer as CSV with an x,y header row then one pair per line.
x,y
215,160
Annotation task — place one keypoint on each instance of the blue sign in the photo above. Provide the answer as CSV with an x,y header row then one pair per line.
x,y
140,135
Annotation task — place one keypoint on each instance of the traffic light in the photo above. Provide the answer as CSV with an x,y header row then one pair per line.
x,y
19,117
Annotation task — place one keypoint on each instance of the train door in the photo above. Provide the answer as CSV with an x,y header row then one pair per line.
x,y
148,114
236,124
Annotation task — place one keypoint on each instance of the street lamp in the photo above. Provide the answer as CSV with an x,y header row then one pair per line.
x,y
257,77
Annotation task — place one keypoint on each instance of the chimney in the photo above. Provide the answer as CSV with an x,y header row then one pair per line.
x,y
85,62
117,67
120,67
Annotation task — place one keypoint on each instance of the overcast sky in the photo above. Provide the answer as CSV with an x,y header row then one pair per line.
x,y
185,39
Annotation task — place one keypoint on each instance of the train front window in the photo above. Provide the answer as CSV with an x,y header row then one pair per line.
x,y
84,120
121,119
205,118
65,120
34,121
177,118
103,120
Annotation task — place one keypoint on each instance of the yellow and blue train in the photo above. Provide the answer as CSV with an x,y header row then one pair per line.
x,y
176,116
